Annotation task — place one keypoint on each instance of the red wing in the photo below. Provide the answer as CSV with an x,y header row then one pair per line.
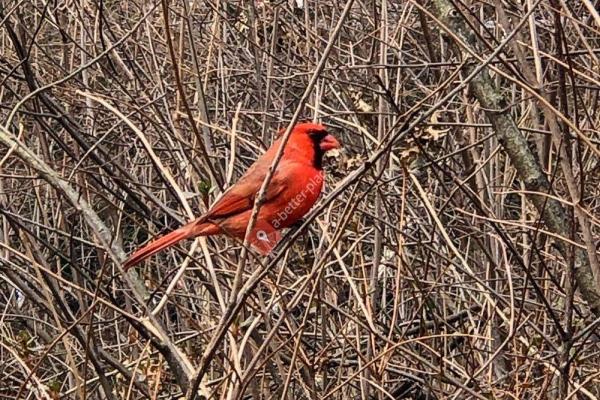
x,y
240,197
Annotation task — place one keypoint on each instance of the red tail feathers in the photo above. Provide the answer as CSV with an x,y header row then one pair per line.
x,y
187,231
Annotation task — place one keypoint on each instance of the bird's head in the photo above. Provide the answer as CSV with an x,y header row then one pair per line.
x,y
311,141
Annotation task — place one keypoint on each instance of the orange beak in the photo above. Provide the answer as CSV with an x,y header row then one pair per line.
x,y
329,143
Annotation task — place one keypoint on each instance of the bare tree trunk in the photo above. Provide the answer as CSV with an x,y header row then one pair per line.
x,y
497,110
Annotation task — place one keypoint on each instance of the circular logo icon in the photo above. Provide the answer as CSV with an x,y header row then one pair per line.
x,y
262,236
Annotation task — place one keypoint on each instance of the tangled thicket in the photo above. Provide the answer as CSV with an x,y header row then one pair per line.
x,y
451,256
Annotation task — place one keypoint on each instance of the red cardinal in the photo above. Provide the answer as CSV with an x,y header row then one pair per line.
x,y
294,188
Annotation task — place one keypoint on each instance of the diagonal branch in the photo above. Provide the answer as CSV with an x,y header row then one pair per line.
x,y
150,326
516,146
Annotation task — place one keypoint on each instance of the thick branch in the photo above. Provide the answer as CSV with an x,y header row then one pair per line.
x,y
178,362
516,146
